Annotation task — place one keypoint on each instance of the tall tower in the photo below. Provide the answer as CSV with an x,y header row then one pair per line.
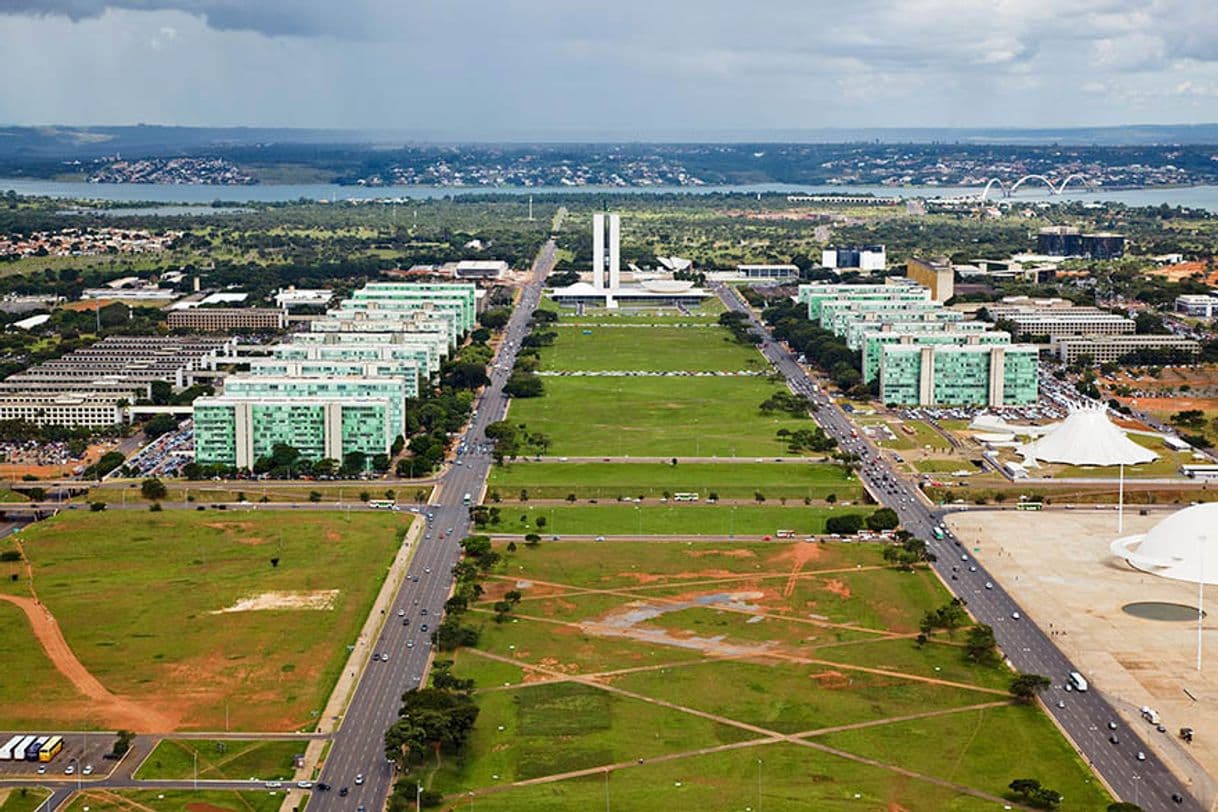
x,y
615,252
598,251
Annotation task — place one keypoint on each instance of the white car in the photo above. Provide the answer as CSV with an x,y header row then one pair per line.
x,y
359,778
1014,616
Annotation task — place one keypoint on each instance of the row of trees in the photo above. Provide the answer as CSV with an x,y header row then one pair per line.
x,y
827,352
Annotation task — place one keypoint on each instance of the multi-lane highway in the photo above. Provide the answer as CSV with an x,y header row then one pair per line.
x,y
1116,751
357,757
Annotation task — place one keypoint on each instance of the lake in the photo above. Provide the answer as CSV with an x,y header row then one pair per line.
x,y
1202,197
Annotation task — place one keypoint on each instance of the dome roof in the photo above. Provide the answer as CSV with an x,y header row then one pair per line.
x,y
667,285
1088,437
1184,546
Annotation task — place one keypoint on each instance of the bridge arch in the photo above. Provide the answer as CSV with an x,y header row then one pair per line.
x,y
1026,178
990,185
1076,176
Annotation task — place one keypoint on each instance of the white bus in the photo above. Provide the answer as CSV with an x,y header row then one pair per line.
x,y
685,497
20,747
6,752
1076,679
382,504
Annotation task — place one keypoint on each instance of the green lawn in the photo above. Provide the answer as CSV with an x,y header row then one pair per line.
x,y
30,682
650,480
986,749
175,800
673,519
22,799
231,759
786,778
923,435
139,598
643,625
945,466
691,349
623,416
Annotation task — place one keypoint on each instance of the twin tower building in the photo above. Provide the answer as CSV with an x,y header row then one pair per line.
x,y
598,251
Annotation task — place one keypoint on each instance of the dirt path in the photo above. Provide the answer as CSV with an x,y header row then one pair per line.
x,y
116,711
765,736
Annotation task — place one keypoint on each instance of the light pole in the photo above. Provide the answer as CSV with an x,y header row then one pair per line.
x,y
196,753
1200,597
418,796
606,790
758,785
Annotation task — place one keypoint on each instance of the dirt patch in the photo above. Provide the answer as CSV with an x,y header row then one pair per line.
x,y
251,541
723,553
831,680
837,587
226,526
317,600
333,535
117,711
201,807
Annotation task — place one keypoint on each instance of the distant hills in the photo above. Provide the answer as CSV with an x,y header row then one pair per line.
x,y
89,142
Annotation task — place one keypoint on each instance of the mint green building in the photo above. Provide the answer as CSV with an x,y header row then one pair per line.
x,y
814,296
955,375
408,371
461,298
426,352
928,322
873,343
836,315
386,321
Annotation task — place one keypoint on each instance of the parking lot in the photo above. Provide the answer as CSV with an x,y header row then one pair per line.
x,y
81,751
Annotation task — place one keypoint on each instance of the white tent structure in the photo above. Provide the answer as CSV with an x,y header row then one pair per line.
x,y
1087,437
1183,547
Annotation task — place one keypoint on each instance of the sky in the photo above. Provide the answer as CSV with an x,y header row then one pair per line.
x,y
489,69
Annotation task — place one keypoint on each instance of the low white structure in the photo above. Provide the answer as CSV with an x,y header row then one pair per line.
x,y
1183,547
1087,437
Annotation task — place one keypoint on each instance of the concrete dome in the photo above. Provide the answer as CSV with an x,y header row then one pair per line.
x,y
1183,547
667,285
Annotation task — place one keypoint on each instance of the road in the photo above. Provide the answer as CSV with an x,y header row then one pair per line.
x,y
1086,717
359,747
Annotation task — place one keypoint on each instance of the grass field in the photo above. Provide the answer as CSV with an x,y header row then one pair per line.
x,y
710,675
205,493
945,466
730,481
139,598
23,799
659,520
232,759
692,349
621,416
174,800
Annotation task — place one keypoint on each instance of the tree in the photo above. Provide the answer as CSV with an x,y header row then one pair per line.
x,y
162,393
980,645
883,519
314,496
153,488
1026,687
846,525
1032,793
123,743
159,425
524,385
950,615
97,507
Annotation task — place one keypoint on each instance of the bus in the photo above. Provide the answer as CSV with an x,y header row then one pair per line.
x,y
1076,679
35,748
1029,506
937,532
50,748
784,534
6,752
685,497
20,747
382,504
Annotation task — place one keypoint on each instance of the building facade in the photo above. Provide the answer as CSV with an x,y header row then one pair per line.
x,y
947,375
937,277
1102,349
224,319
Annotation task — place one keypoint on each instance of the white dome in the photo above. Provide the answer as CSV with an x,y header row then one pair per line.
x,y
1184,546
667,285
1088,437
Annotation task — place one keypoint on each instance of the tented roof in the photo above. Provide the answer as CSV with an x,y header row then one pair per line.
x,y
1088,437
1184,546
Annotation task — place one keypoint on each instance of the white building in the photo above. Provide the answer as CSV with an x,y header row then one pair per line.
x,y
1199,306
480,269
1183,547
292,296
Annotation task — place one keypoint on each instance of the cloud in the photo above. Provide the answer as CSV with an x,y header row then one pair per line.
x,y
482,68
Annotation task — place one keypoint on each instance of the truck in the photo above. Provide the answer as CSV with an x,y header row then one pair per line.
x,y
20,747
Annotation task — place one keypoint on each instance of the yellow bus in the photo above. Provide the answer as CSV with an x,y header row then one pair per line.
x,y
50,748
